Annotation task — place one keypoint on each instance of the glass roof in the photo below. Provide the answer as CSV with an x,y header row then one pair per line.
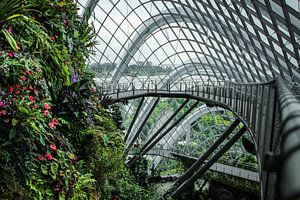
x,y
191,40
242,41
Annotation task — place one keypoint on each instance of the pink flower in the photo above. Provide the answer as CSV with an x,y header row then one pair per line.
x,y
46,112
18,86
53,147
40,158
51,125
10,54
17,91
10,30
11,89
47,106
24,88
2,104
55,121
30,88
23,78
34,106
48,156
31,98
30,72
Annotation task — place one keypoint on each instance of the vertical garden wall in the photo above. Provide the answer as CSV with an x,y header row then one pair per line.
x,y
56,140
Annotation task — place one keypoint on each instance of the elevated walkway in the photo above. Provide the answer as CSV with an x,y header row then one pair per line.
x,y
218,167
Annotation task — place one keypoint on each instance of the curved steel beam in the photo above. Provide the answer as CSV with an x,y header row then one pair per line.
x,y
161,20
88,9
144,32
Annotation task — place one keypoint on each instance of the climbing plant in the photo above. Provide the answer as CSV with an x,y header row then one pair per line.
x,y
57,141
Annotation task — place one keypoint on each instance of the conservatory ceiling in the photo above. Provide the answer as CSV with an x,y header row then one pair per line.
x,y
206,41
237,40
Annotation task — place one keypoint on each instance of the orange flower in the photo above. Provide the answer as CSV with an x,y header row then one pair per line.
x,y
19,46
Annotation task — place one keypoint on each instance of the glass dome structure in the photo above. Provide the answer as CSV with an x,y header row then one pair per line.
x,y
171,44
243,41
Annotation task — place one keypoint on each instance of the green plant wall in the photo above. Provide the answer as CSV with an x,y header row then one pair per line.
x,y
56,140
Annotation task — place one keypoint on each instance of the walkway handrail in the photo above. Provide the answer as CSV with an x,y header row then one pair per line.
x,y
289,173
194,86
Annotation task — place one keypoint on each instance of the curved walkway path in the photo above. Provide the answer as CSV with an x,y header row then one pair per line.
x,y
218,167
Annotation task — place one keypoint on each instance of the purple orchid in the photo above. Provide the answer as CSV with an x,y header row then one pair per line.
x,y
75,77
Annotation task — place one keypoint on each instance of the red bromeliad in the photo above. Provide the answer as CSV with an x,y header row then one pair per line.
x,y
49,156
46,112
53,147
47,106
55,121
51,125
40,158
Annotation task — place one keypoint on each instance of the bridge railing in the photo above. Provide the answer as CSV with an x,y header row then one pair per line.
x,y
198,87
154,84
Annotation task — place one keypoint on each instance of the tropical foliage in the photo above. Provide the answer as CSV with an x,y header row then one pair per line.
x,y
56,140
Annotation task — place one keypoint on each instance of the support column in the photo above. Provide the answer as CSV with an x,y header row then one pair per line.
x,y
141,126
209,163
211,149
164,125
134,118
146,149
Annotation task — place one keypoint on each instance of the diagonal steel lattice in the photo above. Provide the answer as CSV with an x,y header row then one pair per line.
x,y
192,49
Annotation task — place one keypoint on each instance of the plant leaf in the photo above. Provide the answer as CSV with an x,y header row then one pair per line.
x,y
44,169
13,16
42,140
14,121
12,133
10,40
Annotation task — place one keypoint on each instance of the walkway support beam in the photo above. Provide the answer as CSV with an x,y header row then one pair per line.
x,y
134,118
209,163
163,126
135,158
210,150
142,125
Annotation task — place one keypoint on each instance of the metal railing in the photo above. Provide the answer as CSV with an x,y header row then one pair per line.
x,y
220,91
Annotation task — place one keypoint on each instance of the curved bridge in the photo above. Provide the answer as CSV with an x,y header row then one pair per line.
x,y
218,167
254,106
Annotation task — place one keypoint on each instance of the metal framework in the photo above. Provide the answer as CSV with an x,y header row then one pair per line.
x,y
195,49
